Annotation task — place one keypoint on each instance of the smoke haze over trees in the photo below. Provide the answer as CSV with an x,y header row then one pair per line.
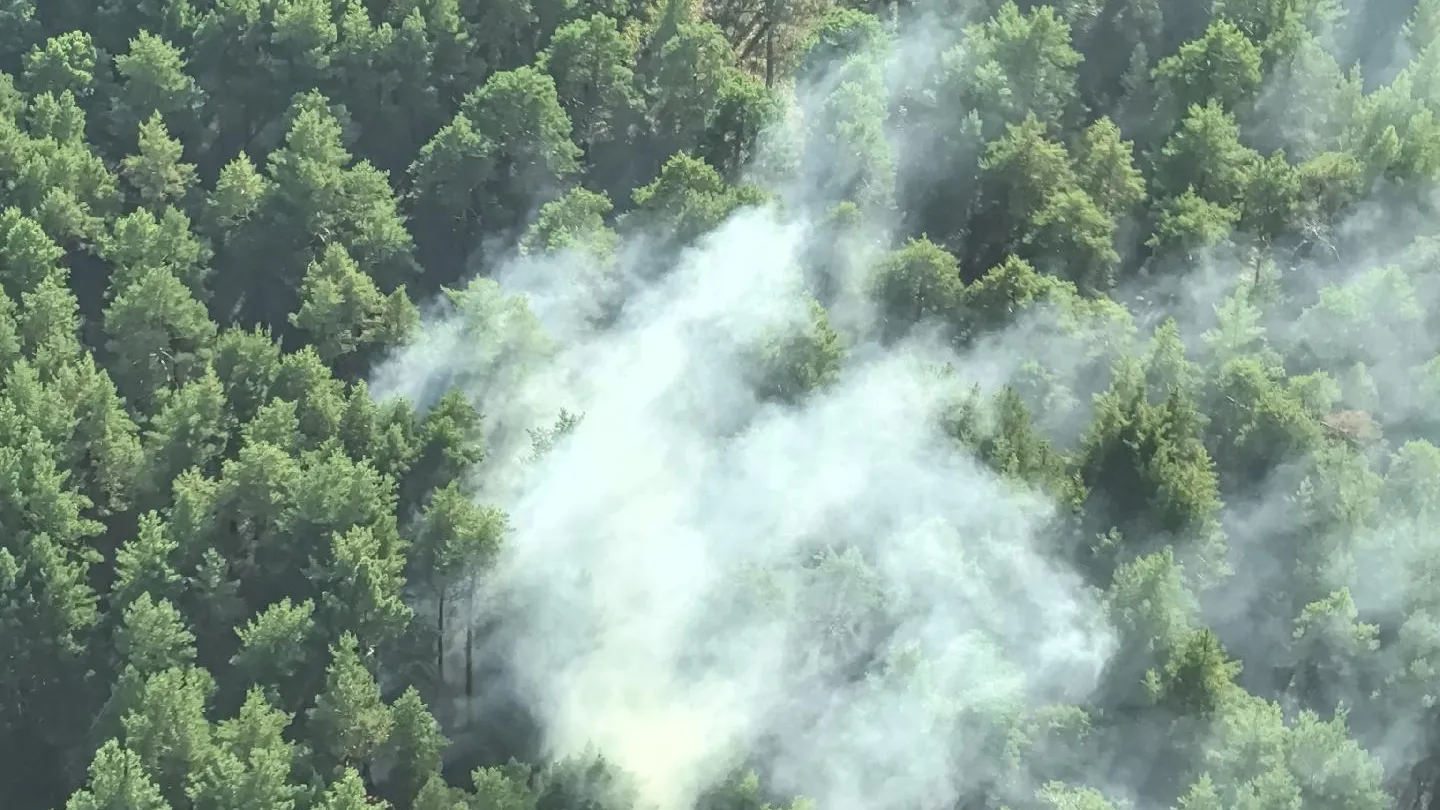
x,y
726,405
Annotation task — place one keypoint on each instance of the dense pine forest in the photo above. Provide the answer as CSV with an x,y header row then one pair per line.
x,y
719,404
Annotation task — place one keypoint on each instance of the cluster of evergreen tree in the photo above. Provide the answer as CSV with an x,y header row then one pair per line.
x,y
225,565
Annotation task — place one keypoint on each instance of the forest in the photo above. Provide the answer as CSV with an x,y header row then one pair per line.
x,y
719,404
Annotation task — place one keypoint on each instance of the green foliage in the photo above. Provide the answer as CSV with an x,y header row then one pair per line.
x,y
251,764
275,646
416,745
917,282
1149,475
351,721
576,221
1221,67
1017,65
1197,679
61,64
30,256
1189,225
155,171
688,199
799,359
343,311
1105,168
510,135
591,63
1205,156
118,780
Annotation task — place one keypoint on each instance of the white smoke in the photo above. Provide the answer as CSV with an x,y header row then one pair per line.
x,y
625,592
695,575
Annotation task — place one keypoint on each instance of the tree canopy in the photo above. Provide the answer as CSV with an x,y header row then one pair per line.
x,y
739,405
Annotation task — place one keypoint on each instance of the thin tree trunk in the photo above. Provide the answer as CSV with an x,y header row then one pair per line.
x,y
469,661
770,57
470,640
440,642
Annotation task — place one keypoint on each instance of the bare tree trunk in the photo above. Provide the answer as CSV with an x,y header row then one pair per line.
x,y
770,56
440,642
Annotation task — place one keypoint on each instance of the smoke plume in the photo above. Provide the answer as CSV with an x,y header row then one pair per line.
x,y
699,577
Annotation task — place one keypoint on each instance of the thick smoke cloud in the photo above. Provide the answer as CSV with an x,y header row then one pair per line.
x,y
677,585
695,575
